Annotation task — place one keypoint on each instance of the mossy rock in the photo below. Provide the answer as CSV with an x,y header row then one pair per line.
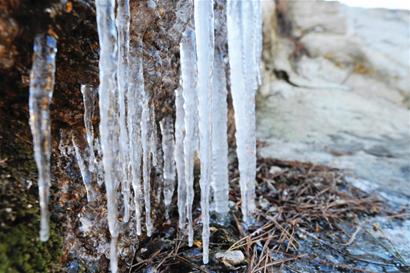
x,y
21,250
20,247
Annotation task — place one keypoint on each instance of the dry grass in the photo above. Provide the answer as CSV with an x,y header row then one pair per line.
x,y
297,202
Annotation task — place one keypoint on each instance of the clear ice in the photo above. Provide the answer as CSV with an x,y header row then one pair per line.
x,y
168,149
89,98
146,159
41,91
107,33
220,179
136,90
190,95
244,46
127,146
204,29
179,156
123,41
85,172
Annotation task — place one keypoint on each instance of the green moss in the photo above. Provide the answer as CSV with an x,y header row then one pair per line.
x,y
21,250
20,247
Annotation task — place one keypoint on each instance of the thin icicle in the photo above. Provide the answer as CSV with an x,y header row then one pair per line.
x,y
107,99
168,148
99,163
136,89
156,158
153,136
146,160
85,173
189,91
89,96
179,156
257,5
123,28
204,28
241,31
220,180
41,92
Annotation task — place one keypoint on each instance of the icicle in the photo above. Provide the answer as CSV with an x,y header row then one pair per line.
x,y
204,28
107,99
241,43
153,136
85,173
156,158
189,91
258,39
168,148
220,180
99,162
123,28
146,162
89,97
41,92
136,90
179,156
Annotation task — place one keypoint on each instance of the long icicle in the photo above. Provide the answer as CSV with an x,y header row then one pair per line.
x,y
107,98
189,92
258,40
146,160
41,92
179,156
220,179
123,28
204,28
136,90
244,81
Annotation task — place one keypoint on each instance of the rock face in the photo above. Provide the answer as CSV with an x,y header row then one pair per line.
x,y
336,89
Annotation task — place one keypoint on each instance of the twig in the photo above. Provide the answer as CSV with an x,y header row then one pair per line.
x,y
353,237
282,261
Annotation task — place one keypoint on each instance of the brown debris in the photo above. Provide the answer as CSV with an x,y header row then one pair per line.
x,y
297,200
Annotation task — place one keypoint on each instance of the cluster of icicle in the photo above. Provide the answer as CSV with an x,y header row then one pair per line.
x,y
127,143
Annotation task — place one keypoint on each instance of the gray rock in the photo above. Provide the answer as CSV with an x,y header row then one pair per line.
x,y
345,104
230,258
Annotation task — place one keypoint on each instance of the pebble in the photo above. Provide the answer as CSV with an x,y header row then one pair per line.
x,y
230,258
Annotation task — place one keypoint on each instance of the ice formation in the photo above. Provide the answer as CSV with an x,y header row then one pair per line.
x,y
127,146
220,179
89,98
243,44
85,172
190,96
168,149
179,156
107,34
204,29
146,159
123,41
41,92
136,89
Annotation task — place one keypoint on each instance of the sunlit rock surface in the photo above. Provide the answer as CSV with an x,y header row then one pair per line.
x,y
336,90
